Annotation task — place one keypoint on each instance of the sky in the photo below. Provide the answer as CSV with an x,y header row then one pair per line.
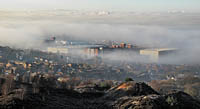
x,y
120,5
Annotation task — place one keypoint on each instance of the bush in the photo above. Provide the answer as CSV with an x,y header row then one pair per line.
x,y
171,100
128,79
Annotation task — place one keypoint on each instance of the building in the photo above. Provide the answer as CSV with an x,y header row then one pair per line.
x,y
89,50
94,51
62,50
155,54
129,46
122,45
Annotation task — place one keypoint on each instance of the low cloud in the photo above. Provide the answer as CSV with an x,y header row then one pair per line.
x,y
31,33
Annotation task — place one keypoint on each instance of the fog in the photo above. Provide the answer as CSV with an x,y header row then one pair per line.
x,y
182,33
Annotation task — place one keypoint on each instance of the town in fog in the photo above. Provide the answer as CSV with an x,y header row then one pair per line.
x,y
127,54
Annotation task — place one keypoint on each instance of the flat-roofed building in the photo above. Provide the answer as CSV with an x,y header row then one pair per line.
x,y
155,54
62,50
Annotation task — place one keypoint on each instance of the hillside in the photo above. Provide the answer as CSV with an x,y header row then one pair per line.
x,y
128,95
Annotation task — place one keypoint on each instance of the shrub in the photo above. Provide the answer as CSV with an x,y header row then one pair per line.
x,y
171,100
128,79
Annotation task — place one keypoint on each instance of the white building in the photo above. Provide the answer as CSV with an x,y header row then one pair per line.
x,y
154,54
62,50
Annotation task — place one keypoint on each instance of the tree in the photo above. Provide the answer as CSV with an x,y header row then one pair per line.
x,y
128,79
7,85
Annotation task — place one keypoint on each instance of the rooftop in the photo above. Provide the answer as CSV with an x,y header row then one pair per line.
x,y
161,49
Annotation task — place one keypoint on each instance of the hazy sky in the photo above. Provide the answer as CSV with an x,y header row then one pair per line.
x,y
127,5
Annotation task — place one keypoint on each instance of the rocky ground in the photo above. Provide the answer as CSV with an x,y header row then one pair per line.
x,y
128,95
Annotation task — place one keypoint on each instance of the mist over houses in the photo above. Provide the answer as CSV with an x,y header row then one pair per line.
x,y
85,59
100,54
93,68
103,48
27,72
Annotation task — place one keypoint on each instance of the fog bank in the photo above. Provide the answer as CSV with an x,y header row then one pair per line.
x,y
25,33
